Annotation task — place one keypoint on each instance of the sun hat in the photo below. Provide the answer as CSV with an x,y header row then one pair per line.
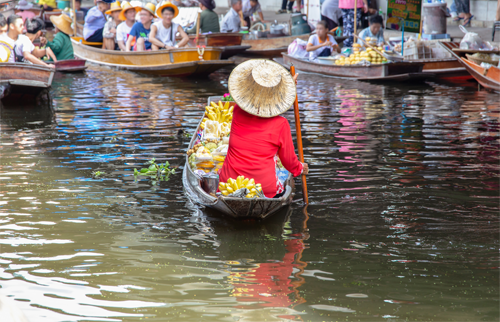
x,y
149,7
262,87
165,5
210,4
63,23
115,6
24,5
126,6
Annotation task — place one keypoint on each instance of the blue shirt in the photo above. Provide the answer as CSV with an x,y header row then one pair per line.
x,y
138,31
231,22
94,21
368,33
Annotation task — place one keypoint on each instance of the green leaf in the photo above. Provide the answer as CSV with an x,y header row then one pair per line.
x,y
144,170
136,172
152,167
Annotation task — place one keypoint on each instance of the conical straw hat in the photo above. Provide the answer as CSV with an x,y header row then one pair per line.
x,y
262,87
63,23
167,4
125,6
115,6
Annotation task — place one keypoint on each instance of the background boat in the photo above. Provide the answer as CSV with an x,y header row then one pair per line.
x,y
241,208
179,62
400,71
23,82
70,65
230,43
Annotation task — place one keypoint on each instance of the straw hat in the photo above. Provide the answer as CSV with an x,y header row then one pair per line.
x,y
63,23
115,6
165,5
262,87
151,8
126,6
5,51
24,5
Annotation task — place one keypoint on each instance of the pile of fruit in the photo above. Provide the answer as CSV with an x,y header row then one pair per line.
x,y
220,113
241,182
359,55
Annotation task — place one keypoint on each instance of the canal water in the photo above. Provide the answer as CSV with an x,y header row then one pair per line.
x,y
402,226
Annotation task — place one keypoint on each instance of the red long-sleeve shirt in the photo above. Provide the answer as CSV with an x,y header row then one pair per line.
x,y
253,143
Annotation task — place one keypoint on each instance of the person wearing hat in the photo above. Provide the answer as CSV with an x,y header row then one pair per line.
x,y
23,6
109,31
127,15
262,90
209,21
141,30
163,32
95,21
232,21
61,44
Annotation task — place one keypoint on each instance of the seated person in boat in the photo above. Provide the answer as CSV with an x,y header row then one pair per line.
x,y
127,15
109,31
21,46
141,30
23,6
163,32
262,90
248,9
61,44
321,44
78,7
94,22
374,31
232,20
48,5
209,21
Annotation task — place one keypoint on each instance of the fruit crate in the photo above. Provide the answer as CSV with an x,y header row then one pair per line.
x,y
424,50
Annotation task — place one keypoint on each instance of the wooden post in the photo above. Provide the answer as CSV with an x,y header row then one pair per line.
x,y
355,15
299,139
197,28
74,17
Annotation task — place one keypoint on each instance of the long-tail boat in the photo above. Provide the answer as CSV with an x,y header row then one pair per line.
x,y
23,82
241,208
71,65
174,63
399,71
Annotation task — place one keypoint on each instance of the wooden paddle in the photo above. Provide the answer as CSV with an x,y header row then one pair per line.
x,y
198,29
299,139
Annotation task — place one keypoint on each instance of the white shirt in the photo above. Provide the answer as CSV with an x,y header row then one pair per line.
x,y
11,42
231,22
23,44
314,40
166,36
122,32
331,10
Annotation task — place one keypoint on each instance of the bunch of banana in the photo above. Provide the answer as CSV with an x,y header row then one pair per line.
x,y
241,182
220,113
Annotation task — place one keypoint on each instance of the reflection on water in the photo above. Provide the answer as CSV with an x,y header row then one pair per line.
x,y
403,221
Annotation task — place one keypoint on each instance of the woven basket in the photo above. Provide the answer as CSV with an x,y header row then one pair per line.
x,y
481,60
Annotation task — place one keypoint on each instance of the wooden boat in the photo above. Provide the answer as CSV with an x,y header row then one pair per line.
x,y
442,67
23,82
177,63
241,208
230,42
400,71
70,65
488,78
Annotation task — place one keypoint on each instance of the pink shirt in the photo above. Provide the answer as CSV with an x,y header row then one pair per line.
x,y
349,4
26,15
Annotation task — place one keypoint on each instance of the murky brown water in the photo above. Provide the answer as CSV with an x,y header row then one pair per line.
x,y
403,222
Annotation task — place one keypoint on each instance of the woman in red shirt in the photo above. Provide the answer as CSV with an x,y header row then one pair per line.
x,y
262,90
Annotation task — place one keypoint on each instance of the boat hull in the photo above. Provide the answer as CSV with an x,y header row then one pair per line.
x,y
270,47
177,63
70,65
23,83
240,208
391,71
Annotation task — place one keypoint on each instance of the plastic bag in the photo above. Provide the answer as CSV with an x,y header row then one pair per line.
x,y
472,41
298,48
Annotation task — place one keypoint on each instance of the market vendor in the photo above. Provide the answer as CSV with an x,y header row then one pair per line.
x,y
209,21
61,44
262,90
321,44
374,31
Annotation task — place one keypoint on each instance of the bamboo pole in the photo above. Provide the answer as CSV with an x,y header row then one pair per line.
x,y
197,28
299,139
355,15
74,17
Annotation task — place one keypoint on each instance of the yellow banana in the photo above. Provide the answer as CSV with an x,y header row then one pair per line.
x,y
229,190
238,181
253,191
226,106
202,125
213,104
231,109
245,181
250,186
220,105
224,192
222,185
252,182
